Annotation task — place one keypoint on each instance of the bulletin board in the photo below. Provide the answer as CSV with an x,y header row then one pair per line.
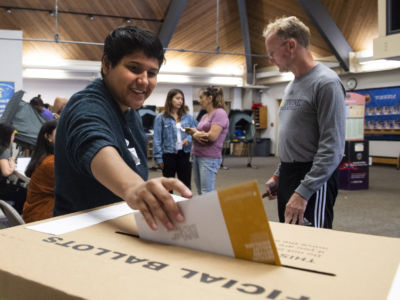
x,y
382,113
6,93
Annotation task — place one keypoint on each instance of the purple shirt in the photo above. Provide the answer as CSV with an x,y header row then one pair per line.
x,y
212,149
47,114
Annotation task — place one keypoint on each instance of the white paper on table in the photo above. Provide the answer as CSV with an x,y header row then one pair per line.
x,y
395,289
80,221
22,163
90,218
203,229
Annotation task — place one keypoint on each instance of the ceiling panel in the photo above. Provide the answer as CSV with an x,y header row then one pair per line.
x,y
196,30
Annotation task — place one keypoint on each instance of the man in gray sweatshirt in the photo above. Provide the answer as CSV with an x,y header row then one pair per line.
x,y
311,129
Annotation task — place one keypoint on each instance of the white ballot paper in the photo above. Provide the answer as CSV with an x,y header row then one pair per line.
x,y
229,222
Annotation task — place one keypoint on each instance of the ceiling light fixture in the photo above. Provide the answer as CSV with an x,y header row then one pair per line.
x,y
91,17
129,21
8,10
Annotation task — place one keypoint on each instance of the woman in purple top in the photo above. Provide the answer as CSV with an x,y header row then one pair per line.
x,y
38,104
208,139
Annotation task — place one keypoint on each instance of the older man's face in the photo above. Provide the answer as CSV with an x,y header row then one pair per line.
x,y
277,52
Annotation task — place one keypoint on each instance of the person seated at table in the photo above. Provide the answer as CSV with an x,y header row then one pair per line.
x,y
12,193
39,202
38,104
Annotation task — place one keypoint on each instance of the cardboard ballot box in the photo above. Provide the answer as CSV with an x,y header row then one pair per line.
x,y
107,261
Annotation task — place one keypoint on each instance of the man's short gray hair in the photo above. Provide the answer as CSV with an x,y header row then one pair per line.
x,y
289,27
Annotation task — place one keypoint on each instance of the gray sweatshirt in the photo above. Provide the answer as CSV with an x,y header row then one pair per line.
x,y
312,126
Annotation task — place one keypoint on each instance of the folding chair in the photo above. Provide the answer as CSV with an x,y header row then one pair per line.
x,y
13,217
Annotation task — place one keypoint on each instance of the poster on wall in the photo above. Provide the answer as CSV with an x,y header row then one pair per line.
x,y
355,108
6,93
382,113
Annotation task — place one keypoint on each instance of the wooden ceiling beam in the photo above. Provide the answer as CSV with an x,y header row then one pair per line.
x,y
171,20
328,30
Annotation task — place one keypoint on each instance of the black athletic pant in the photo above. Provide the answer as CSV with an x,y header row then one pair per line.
x,y
319,210
178,163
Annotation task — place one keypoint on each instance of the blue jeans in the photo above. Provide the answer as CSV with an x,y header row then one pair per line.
x,y
204,171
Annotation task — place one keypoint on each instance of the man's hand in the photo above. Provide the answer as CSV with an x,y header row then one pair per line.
x,y
295,209
160,165
271,186
153,200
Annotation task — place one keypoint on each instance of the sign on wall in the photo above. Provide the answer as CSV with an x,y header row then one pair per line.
x,y
6,93
382,113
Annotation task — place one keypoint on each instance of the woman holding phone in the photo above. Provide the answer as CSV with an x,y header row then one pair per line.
x,y
171,144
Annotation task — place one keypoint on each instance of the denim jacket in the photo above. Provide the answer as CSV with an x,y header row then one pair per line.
x,y
164,140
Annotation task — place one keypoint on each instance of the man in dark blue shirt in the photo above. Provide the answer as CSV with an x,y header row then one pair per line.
x,y
100,153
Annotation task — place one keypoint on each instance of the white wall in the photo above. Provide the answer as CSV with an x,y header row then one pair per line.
x,y
270,98
49,89
381,79
11,57
240,98
390,78
237,98
160,94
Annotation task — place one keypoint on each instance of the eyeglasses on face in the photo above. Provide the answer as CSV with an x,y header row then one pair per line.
x,y
271,54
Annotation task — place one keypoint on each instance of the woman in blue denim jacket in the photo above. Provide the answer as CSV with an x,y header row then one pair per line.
x,y
171,145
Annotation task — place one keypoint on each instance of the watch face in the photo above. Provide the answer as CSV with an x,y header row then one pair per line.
x,y
351,83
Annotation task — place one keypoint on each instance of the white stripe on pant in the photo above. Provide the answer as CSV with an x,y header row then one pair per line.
x,y
319,209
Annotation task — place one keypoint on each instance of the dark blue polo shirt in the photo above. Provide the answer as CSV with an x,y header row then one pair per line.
x,y
90,121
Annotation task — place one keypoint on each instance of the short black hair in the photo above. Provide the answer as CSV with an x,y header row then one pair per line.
x,y
37,101
126,40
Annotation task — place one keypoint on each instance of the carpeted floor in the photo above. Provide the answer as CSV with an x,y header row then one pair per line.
x,y
374,211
